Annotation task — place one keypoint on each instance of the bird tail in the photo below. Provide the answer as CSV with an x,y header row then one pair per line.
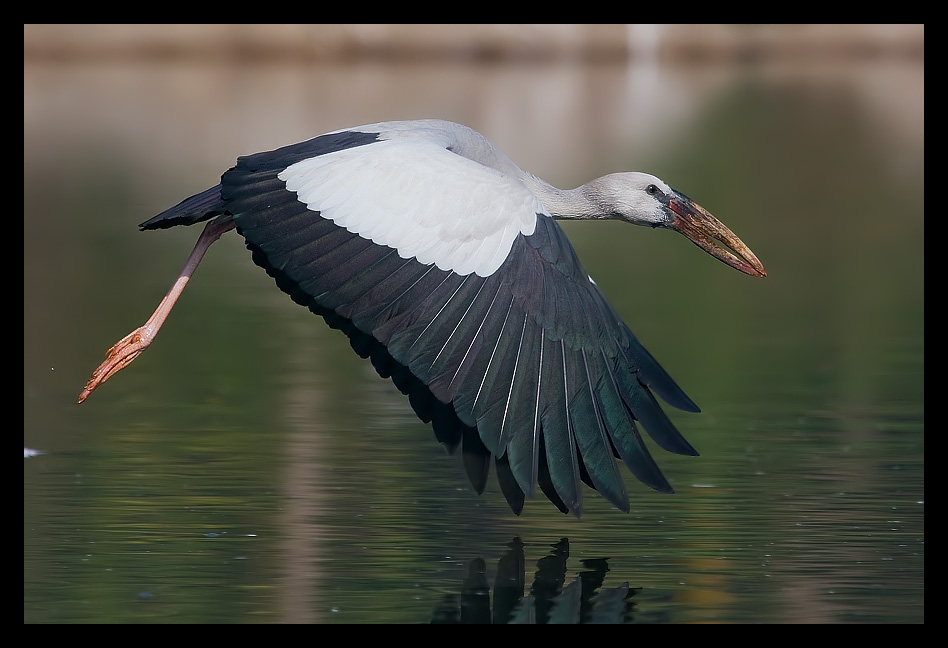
x,y
197,208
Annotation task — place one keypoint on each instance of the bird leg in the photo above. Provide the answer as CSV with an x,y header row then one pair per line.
x,y
130,347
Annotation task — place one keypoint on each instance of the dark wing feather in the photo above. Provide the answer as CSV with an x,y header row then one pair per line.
x,y
559,440
210,203
529,365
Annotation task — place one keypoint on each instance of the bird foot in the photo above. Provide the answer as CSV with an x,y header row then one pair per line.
x,y
117,358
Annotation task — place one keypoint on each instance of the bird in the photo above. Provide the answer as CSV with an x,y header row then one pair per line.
x,y
443,263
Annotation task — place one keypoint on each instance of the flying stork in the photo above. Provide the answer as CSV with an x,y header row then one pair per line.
x,y
442,262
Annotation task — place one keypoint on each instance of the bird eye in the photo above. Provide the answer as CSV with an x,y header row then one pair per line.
x,y
651,190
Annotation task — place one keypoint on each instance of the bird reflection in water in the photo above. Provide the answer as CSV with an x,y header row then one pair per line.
x,y
550,598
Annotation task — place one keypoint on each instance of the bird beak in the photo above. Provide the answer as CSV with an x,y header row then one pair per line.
x,y
703,229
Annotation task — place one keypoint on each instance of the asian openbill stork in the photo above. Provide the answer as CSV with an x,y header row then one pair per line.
x,y
441,260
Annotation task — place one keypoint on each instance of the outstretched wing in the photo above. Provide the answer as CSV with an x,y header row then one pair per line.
x,y
453,278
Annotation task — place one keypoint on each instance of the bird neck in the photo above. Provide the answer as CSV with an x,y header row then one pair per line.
x,y
566,204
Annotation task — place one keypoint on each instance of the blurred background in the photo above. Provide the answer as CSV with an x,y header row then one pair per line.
x,y
251,468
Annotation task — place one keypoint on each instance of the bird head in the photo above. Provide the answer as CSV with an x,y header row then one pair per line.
x,y
643,199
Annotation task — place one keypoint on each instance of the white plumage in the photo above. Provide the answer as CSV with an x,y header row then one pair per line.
x,y
421,199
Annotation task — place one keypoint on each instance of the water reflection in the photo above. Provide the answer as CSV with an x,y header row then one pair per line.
x,y
550,598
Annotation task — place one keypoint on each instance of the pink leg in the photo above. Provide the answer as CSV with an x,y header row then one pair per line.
x,y
129,347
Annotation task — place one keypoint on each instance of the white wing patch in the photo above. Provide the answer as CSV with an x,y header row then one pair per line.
x,y
421,199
